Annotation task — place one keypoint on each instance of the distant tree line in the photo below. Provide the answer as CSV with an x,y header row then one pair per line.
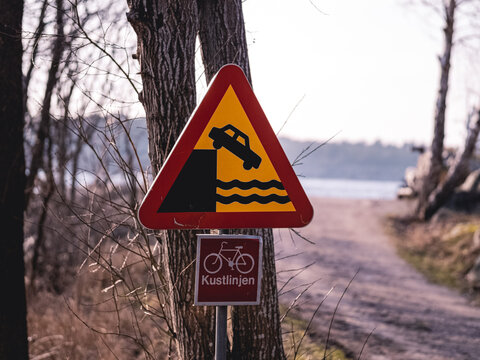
x,y
346,160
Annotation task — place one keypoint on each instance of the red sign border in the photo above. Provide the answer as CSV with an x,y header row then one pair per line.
x,y
229,75
260,267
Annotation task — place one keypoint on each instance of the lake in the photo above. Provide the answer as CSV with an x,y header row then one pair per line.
x,y
350,189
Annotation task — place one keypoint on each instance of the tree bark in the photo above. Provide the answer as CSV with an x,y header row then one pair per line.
x,y
166,33
256,329
222,36
13,325
457,174
433,177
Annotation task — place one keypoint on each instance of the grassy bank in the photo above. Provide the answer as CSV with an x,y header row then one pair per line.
x,y
444,249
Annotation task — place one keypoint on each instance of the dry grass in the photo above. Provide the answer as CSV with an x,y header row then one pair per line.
x,y
96,292
88,322
84,324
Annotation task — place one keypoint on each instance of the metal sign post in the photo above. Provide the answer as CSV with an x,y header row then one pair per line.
x,y
221,332
221,326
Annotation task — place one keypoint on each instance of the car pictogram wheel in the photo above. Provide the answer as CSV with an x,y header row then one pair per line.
x,y
247,165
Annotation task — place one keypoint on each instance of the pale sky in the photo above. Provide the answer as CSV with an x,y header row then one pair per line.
x,y
366,68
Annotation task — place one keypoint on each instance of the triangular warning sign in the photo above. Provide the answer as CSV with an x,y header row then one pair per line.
x,y
227,169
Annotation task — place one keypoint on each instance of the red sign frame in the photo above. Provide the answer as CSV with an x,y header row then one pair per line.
x,y
229,75
228,270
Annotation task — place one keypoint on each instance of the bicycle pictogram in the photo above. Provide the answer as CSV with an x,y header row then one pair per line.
x,y
234,257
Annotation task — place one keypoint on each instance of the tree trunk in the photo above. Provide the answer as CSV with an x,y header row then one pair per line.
x,y
166,33
13,325
457,173
33,56
64,140
256,329
39,245
433,177
36,161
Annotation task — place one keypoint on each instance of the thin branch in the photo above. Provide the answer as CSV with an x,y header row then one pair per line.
x,y
290,114
365,343
307,152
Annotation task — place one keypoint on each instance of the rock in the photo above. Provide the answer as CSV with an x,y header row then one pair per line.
x,y
473,276
405,193
410,176
476,240
461,230
442,215
472,183
421,171
465,201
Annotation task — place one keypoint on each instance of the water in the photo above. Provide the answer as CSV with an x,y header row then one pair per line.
x,y
350,189
317,187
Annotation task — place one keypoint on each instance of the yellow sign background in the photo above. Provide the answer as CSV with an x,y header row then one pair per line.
x,y
230,167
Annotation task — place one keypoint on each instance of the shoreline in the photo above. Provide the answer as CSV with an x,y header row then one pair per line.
x,y
350,189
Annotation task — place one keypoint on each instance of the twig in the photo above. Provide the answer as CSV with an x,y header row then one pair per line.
x,y
305,152
335,312
290,114
296,232
290,279
294,301
310,322
365,343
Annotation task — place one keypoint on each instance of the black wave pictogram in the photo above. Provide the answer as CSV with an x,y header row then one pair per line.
x,y
245,185
252,198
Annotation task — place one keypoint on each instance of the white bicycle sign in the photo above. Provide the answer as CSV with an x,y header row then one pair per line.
x,y
213,262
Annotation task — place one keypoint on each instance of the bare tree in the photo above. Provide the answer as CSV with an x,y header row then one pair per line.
x,y
13,326
166,33
44,125
436,166
34,46
91,216
460,30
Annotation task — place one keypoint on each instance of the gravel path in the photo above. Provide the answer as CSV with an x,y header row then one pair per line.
x,y
412,318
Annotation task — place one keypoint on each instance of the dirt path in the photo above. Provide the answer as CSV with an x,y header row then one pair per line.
x,y
412,318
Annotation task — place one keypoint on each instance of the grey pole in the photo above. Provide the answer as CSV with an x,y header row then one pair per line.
x,y
221,333
221,327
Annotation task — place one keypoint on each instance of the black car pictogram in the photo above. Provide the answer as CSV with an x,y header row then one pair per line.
x,y
231,142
